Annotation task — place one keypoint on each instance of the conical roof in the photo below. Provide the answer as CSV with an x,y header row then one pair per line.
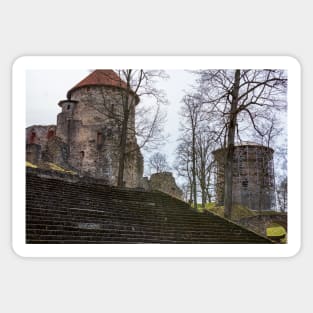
x,y
100,78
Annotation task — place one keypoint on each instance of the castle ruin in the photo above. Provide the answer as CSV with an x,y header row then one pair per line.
x,y
86,138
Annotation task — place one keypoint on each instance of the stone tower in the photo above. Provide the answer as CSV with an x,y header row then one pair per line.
x,y
90,125
253,176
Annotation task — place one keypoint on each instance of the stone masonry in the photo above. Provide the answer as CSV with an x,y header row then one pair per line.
x,y
253,176
87,135
86,138
165,182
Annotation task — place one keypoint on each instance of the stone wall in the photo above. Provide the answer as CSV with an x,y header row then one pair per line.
x,y
37,138
253,177
39,134
260,223
89,123
33,153
164,182
56,151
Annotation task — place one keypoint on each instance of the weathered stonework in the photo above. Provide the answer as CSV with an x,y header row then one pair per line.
x,y
33,153
87,135
37,137
260,223
164,182
86,138
89,126
253,176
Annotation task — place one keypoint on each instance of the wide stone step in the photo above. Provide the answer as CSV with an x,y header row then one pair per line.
x,y
63,212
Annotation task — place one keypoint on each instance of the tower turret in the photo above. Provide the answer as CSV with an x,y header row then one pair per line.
x,y
253,176
90,123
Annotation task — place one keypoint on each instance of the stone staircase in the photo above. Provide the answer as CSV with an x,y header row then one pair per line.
x,y
62,211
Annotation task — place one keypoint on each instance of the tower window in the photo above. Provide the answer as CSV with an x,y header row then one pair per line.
x,y
82,154
245,183
99,139
68,106
32,137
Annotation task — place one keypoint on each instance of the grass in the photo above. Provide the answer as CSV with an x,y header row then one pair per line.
x,y
239,211
275,230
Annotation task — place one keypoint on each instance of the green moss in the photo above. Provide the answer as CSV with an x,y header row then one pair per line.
x,y
238,212
28,164
274,231
58,168
50,166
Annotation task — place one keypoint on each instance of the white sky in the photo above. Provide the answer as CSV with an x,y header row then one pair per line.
x,y
45,88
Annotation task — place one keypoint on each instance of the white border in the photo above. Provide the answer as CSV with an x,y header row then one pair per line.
x,y
155,250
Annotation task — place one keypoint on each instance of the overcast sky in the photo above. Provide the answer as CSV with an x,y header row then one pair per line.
x,y
45,88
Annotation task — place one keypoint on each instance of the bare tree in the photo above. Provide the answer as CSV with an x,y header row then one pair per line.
x,y
183,165
282,195
204,146
199,137
148,126
191,112
158,163
242,99
141,83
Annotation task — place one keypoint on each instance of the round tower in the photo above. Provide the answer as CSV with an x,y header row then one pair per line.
x,y
253,176
90,123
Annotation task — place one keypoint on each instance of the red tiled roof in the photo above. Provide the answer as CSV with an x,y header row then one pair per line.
x,y
100,78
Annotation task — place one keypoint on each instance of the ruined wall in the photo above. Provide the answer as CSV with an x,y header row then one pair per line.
x,y
39,134
164,182
253,177
33,153
37,137
260,223
56,151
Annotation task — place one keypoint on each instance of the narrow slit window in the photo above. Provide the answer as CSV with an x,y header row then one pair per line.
x,y
32,138
99,139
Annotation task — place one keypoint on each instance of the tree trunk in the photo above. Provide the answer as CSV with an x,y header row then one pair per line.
x,y
203,185
123,142
203,198
122,156
194,174
229,155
